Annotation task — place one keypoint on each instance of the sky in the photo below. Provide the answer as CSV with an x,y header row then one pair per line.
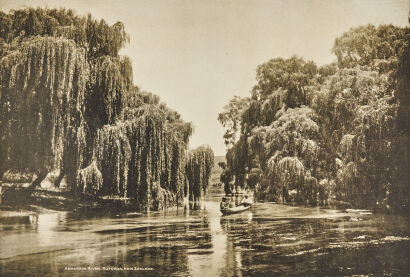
x,y
197,54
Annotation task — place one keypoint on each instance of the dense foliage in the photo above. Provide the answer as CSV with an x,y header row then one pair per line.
x,y
43,84
338,131
68,105
198,166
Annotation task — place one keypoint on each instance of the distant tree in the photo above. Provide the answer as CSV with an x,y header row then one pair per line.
x,y
222,165
97,37
369,45
230,118
293,75
198,166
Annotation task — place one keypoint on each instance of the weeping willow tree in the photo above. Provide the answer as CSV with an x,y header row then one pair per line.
x,y
350,140
198,166
159,147
46,56
89,180
369,45
141,157
360,107
109,84
230,118
43,85
282,84
399,197
283,81
97,37
287,173
290,156
113,155
68,103
109,87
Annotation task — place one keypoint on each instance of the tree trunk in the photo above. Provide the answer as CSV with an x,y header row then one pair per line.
x,y
40,177
59,178
3,168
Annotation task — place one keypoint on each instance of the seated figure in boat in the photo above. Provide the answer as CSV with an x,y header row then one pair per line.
x,y
227,203
231,205
246,201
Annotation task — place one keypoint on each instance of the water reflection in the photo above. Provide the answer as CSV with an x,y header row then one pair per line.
x,y
269,239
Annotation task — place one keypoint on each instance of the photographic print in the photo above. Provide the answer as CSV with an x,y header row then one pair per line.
x,y
204,138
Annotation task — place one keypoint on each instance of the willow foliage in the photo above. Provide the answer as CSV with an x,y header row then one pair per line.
x,y
230,118
289,172
68,103
358,110
45,64
293,75
109,83
89,180
286,151
142,156
97,37
43,86
369,45
158,155
337,131
113,154
198,166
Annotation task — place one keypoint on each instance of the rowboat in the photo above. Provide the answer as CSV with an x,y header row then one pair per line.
x,y
234,210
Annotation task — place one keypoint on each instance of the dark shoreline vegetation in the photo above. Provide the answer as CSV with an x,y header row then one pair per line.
x,y
71,115
337,133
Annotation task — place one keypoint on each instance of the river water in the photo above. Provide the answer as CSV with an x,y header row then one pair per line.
x,y
269,240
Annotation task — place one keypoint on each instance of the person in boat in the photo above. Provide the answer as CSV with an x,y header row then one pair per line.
x,y
226,203
246,201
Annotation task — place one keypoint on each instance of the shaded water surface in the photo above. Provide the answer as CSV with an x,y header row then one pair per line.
x,y
269,240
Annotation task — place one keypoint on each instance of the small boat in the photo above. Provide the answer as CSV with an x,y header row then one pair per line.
x,y
238,209
228,206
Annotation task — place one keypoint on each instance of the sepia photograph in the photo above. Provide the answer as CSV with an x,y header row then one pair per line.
x,y
208,138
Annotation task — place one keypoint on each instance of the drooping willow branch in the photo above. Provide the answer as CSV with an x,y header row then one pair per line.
x,y
43,86
198,168
68,104
142,156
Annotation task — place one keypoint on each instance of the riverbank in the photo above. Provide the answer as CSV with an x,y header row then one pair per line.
x,y
22,197
18,198
60,199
